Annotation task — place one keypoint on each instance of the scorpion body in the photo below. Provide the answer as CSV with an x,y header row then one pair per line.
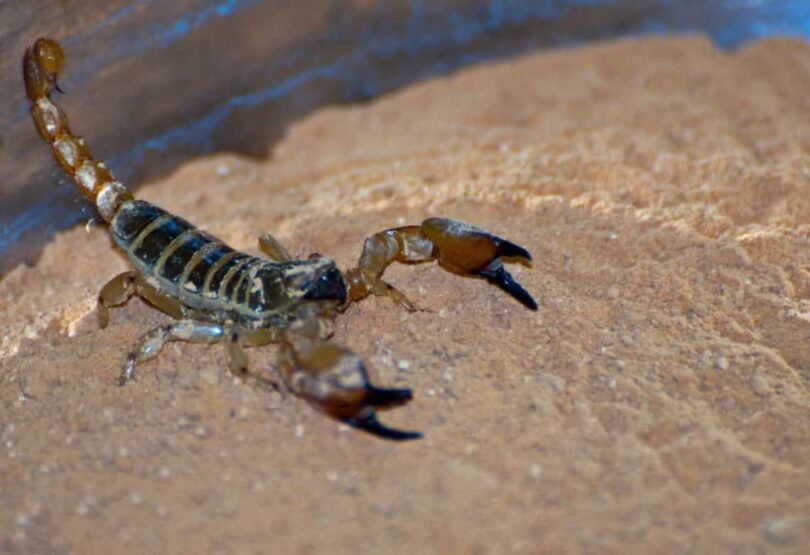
x,y
210,277
219,294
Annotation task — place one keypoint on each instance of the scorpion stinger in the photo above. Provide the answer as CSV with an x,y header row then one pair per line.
x,y
220,295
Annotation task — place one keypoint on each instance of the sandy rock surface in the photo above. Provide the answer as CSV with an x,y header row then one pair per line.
x,y
659,400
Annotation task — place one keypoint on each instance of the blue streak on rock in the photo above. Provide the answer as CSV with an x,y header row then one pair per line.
x,y
111,20
134,43
372,45
47,216
730,23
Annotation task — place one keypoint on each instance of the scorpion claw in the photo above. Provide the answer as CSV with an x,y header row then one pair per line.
x,y
457,247
335,382
382,399
387,398
499,277
508,249
467,250
369,423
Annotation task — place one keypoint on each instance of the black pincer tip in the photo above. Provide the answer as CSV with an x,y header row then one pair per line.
x,y
503,279
371,425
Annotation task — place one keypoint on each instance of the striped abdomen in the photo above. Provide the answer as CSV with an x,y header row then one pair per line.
x,y
188,263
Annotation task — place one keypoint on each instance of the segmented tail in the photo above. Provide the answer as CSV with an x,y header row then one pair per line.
x,y
41,66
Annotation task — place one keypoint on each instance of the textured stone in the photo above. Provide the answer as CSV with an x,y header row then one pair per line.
x,y
601,423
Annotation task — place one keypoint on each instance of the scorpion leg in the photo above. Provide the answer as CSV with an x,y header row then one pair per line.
x,y
167,305
458,247
150,343
335,382
273,248
116,293
238,361
119,290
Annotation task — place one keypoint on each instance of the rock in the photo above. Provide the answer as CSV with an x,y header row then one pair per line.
x,y
659,172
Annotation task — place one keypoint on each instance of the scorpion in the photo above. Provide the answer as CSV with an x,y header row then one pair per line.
x,y
218,294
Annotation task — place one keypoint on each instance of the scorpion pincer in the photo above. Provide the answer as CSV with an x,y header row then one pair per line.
x,y
218,294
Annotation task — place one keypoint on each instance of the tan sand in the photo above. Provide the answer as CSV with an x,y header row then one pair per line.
x,y
657,401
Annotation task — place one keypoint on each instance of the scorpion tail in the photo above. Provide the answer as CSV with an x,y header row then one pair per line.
x,y
41,66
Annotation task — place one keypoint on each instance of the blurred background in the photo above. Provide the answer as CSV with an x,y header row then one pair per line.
x,y
151,84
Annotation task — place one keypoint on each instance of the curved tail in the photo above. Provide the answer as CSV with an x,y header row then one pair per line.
x,y
41,66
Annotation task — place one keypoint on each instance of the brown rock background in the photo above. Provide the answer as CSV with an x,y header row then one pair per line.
x,y
657,401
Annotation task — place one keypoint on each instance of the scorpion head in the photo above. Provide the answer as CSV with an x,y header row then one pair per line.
x,y
322,281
